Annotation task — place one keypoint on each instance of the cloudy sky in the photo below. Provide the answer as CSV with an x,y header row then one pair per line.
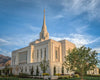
x,y
75,20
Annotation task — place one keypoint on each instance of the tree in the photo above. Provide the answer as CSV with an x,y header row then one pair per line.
x,y
0,72
37,71
32,70
21,69
6,70
54,70
81,60
17,68
10,71
62,70
44,65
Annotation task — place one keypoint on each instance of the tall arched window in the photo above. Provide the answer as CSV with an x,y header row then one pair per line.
x,y
37,54
45,53
56,54
41,53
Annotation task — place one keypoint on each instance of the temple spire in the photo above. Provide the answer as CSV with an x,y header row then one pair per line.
x,y
44,27
44,33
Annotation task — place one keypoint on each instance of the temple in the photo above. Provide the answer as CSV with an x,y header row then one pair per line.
x,y
31,56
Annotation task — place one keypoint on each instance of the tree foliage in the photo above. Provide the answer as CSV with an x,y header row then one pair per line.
x,y
44,65
37,71
81,59
6,70
62,70
54,70
32,70
17,68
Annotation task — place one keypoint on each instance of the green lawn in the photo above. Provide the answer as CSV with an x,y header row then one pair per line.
x,y
3,78
86,78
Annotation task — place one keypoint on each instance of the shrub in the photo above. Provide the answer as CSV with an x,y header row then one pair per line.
x,y
93,75
23,75
57,74
45,74
76,75
65,77
10,74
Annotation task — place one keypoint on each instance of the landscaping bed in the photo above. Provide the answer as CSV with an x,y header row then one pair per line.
x,y
13,78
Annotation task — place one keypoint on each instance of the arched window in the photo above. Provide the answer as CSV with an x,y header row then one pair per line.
x,y
56,54
45,53
41,53
33,55
37,54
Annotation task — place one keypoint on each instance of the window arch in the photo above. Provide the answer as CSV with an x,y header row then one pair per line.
x,y
41,53
37,54
56,54
45,53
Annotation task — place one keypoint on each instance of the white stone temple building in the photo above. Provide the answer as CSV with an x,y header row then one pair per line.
x,y
54,51
34,53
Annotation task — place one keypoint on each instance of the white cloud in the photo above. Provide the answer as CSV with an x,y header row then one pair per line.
x,y
23,41
5,52
58,16
33,28
19,40
2,40
97,49
82,29
98,56
77,7
16,42
78,39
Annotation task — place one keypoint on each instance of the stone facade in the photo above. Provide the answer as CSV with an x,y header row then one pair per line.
x,y
32,55
54,51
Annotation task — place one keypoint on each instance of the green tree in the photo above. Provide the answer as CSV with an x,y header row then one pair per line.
x,y
6,70
32,70
10,71
81,60
54,70
0,72
62,69
21,69
37,71
44,65
17,68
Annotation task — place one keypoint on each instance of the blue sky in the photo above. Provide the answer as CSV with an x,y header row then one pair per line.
x,y
75,20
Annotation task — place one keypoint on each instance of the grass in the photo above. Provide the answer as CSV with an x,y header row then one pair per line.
x,y
14,78
85,78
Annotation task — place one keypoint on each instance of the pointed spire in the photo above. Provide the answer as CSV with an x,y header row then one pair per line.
x,y
44,33
44,27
